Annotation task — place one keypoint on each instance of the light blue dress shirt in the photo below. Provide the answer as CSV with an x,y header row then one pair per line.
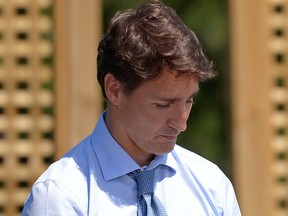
x,y
92,180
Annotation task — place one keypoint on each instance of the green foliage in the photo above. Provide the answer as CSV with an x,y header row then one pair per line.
x,y
208,125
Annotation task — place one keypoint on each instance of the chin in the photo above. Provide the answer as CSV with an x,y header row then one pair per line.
x,y
167,148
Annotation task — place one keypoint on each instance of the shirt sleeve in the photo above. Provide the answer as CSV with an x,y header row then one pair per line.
x,y
50,198
231,207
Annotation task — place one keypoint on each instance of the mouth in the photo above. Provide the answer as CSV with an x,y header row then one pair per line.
x,y
170,137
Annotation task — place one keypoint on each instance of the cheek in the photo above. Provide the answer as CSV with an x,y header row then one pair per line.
x,y
151,123
145,119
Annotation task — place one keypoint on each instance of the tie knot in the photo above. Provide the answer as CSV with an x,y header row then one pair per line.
x,y
144,180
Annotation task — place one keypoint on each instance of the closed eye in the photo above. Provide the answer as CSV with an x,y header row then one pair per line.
x,y
164,105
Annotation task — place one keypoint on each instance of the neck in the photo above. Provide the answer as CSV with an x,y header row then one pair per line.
x,y
113,124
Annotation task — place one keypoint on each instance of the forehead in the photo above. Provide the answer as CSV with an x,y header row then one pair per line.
x,y
172,83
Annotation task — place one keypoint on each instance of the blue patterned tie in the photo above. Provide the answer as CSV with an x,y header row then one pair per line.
x,y
148,203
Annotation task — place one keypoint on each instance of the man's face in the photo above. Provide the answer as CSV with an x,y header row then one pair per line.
x,y
151,118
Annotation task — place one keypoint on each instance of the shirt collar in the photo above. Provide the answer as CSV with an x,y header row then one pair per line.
x,y
114,160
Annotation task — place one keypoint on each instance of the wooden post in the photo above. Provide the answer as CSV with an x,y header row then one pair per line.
x,y
79,100
259,54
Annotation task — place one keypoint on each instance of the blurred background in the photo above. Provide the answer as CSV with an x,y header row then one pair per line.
x,y
50,99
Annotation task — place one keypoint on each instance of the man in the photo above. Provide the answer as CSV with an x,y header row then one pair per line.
x,y
149,66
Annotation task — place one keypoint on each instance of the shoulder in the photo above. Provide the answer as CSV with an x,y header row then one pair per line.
x,y
191,159
208,178
69,163
70,172
65,182
198,168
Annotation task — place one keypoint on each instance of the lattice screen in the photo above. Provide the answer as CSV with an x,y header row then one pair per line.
x,y
279,51
26,98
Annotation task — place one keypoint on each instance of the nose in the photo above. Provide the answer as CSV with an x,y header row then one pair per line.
x,y
179,119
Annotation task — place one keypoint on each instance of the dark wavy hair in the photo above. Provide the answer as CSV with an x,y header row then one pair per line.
x,y
140,43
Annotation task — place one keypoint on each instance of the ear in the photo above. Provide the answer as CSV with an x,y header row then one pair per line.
x,y
112,88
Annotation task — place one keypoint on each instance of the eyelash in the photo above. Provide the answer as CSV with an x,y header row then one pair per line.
x,y
162,105
190,101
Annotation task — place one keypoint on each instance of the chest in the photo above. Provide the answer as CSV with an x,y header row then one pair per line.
x,y
179,197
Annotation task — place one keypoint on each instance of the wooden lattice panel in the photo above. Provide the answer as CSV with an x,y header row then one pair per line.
x,y
26,98
279,55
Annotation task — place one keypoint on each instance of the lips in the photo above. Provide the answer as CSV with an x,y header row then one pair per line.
x,y
170,137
